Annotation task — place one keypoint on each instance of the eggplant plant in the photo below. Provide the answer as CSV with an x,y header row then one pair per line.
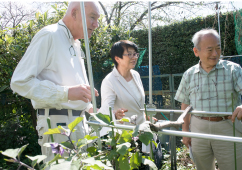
x,y
119,149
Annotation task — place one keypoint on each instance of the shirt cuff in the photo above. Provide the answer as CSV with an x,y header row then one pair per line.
x,y
89,106
63,92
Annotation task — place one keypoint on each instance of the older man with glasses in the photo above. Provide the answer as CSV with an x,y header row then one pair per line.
x,y
207,86
52,74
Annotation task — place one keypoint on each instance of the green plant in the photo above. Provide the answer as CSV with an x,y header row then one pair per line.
x,y
183,159
122,152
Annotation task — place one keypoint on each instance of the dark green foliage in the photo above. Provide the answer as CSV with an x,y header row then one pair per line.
x,y
172,48
17,116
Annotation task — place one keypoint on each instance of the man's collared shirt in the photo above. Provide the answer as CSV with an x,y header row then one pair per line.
x,y
211,91
52,63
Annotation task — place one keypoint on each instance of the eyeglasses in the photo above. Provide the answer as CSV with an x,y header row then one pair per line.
x,y
130,55
72,51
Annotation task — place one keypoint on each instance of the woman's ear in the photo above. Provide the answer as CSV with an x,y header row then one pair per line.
x,y
117,59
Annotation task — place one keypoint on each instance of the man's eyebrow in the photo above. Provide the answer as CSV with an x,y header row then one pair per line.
x,y
212,47
94,14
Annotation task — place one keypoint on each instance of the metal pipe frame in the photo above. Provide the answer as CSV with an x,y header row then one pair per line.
x,y
89,65
150,54
176,133
192,112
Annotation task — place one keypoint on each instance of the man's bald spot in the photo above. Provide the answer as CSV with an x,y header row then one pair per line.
x,y
76,5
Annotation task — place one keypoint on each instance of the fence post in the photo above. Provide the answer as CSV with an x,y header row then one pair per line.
x,y
173,145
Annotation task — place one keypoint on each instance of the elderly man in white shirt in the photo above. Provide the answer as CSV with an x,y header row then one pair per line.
x,y
52,73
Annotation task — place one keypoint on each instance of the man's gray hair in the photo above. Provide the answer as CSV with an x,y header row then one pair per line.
x,y
198,35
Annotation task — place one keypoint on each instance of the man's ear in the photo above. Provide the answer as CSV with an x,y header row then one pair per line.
x,y
195,50
73,13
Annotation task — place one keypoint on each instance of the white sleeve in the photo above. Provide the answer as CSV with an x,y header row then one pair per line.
x,y
37,57
108,97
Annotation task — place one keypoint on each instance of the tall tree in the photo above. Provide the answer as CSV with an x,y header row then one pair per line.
x,y
133,14
12,13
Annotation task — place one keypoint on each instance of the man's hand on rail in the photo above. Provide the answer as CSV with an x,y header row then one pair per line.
x,y
186,141
237,113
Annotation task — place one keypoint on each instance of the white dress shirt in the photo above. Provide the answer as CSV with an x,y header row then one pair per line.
x,y
117,93
135,89
52,63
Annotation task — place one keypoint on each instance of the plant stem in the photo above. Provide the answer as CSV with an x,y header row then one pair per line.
x,y
235,161
23,164
113,137
69,138
151,149
51,136
146,112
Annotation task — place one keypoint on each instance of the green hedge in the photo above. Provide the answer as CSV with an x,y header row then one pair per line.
x,y
172,46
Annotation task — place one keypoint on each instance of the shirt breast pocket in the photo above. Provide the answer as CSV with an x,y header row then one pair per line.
x,y
224,89
194,94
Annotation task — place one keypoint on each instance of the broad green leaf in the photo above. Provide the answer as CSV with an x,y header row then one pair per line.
x,y
135,160
67,145
3,88
125,137
112,154
37,15
45,15
86,140
91,138
10,160
111,142
52,131
21,150
63,165
66,3
39,158
150,163
73,124
96,167
154,143
81,143
66,165
123,148
31,23
123,163
104,118
12,153
75,165
92,161
57,157
54,6
89,160
100,164
146,137
33,163
64,129
125,120
91,149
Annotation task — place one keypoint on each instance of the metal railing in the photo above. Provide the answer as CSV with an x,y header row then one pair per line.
x,y
173,133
